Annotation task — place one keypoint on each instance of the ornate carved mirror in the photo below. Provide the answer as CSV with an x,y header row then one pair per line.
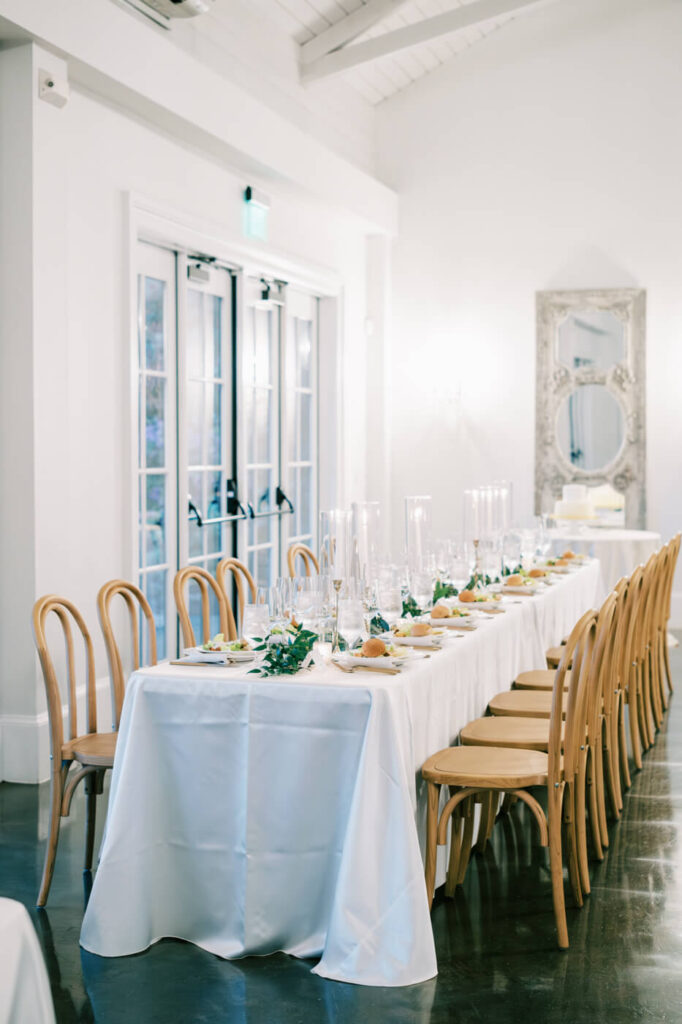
x,y
590,396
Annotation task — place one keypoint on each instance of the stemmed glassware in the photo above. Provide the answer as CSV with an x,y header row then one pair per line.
x,y
335,534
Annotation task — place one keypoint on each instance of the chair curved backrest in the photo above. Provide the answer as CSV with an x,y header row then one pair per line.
x,y
631,613
577,652
241,576
600,692
206,584
66,612
310,562
132,598
671,549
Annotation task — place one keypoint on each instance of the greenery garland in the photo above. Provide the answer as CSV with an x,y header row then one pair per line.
x,y
285,652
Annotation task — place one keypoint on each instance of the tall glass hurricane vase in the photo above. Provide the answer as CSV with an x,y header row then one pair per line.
x,y
366,538
418,532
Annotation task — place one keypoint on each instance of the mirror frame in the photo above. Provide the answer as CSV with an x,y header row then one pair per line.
x,y
625,380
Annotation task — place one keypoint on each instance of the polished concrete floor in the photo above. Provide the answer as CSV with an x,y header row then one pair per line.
x,y
496,948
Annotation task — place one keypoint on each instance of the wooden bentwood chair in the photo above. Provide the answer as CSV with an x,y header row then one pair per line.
x,y
470,771
206,584
91,750
132,597
303,552
242,577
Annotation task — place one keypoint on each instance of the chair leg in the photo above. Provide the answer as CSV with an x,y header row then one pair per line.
x,y
597,806
657,688
633,716
666,661
660,659
580,824
455,850
468,810
485,827
433,797
611,768
556,864
571,840
661,645
91,789
57,781
622,747
508,802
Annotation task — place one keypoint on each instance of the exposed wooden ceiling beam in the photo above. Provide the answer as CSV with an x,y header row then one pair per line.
x,y
401,39
348,29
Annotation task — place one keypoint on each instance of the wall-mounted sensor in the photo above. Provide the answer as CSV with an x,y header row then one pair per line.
x,y
52,89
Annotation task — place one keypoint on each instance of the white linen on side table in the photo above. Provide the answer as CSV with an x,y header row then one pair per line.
x,y
251,815
618,551
24,986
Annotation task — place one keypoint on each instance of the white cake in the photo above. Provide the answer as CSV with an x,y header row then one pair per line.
x,y
575,503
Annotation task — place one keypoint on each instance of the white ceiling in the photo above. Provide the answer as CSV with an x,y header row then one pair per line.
x,y
381,78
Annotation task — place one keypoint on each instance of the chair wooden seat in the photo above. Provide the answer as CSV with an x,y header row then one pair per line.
x,y
536,679
498,767
508,731
526,703
94,748
554,656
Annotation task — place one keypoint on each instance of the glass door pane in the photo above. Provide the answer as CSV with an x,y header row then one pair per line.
x,y
155,422
299,471
205,413
260,435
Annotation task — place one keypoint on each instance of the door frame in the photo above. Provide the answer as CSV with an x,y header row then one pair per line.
x,y
148,221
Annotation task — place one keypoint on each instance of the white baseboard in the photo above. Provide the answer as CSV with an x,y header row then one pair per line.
x,y
25,739
676,610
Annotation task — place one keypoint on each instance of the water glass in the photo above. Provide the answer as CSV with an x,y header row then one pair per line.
x,y
256,623
351,623
421,588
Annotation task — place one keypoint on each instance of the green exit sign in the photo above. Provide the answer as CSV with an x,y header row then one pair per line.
x,y
255,214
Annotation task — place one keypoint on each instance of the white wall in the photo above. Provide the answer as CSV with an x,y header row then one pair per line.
x,y
548,156
69,375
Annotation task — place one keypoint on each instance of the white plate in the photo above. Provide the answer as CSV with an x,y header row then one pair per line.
x,y
449,623
431,640
476,605
381,662
218,657
528,588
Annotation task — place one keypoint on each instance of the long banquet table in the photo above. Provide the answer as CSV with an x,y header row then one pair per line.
x,y
619,551
251,815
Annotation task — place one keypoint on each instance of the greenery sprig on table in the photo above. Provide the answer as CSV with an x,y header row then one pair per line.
x,y
378,625
285,651
410,607
443,589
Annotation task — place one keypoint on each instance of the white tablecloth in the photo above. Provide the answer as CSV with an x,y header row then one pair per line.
x,y
618,551
24,987
250,815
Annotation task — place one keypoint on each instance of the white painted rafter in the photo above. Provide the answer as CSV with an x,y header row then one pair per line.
x,y
469,16
348,29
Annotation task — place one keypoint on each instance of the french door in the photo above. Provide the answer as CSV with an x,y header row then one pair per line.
x,y
226,424
279,423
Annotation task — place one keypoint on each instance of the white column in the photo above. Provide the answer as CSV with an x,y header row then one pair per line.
x,y
27,265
